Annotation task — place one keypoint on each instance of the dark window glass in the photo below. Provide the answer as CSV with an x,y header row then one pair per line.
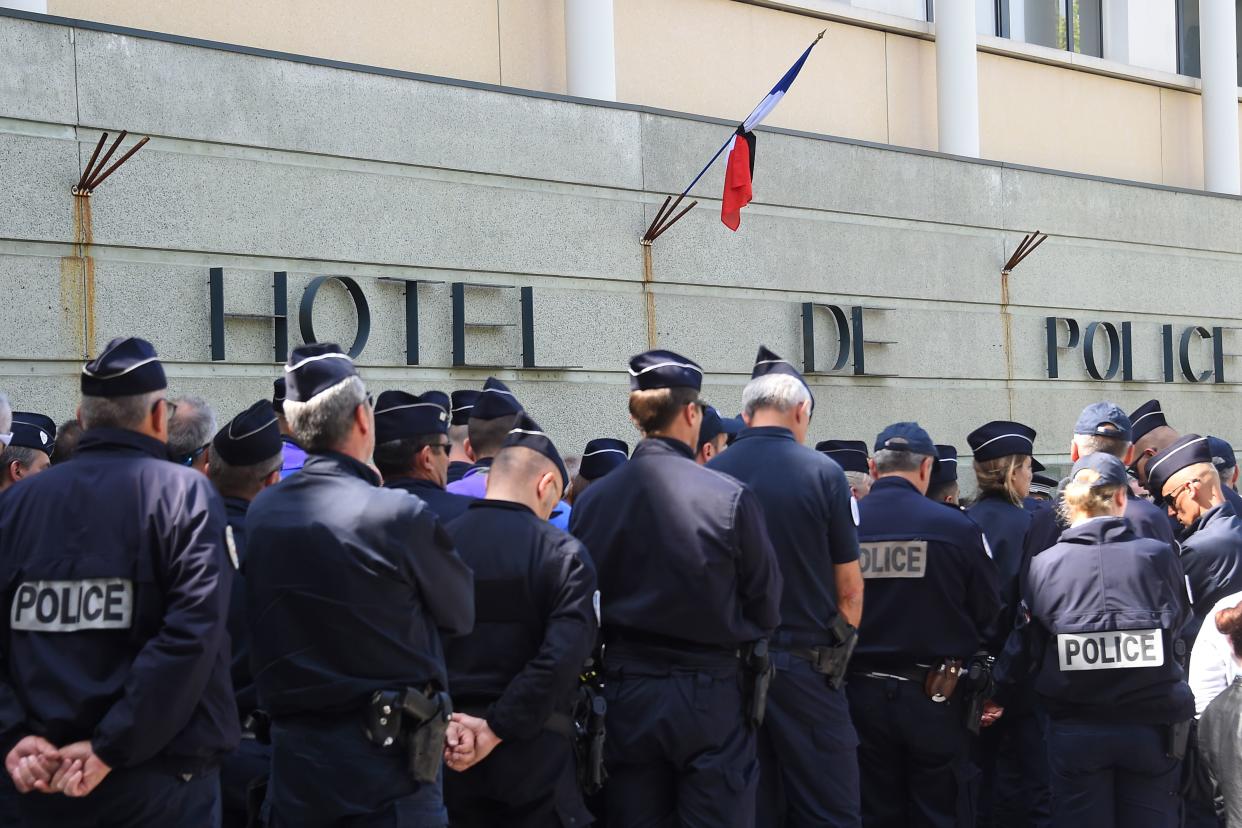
x,y
1088,27
1045,23
1188,37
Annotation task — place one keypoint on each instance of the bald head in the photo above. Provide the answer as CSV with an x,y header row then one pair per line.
x,y
522,475
1150,444
1191,492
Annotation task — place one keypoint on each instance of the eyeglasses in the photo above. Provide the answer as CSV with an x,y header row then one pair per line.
x,y
188,460
1170,500
170,407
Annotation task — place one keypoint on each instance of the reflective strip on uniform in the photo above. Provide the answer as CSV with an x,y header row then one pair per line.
x,y
893,559
1110,650
69,606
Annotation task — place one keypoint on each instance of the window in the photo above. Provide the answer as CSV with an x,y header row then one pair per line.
x,y
1074,25
986,12
1188,38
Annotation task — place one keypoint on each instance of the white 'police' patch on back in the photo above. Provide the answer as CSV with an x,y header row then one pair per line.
x,y
893,559
1110,650
69,606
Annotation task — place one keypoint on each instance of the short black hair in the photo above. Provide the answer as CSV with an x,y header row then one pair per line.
x,y
395,458
487,436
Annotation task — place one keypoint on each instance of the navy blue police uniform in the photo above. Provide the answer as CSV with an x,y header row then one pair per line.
x,y
112,565
687,576
535,627
249,439
348,589
461,403
402,416
1098,629
808,757
1211,547
931,595
1014,788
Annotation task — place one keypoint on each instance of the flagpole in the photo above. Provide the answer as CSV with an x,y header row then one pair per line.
x,y
654,230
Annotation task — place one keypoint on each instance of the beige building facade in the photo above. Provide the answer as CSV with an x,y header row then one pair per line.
x,y
1127,114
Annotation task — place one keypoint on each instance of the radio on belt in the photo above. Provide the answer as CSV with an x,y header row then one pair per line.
x,y
68,606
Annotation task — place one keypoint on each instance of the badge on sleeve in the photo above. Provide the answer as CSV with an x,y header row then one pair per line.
x,y
854,509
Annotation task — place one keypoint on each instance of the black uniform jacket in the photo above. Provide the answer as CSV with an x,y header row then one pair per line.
x,y
810,519
931,589
681,551
348,588
446,505
1102,610
116,593
1212,559
534,589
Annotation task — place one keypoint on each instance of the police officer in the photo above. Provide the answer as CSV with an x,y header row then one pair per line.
x,y
461,458
1184,479
491,419
687,577
295,455
807,745
412,448
1153,434
1101,614
713,438
932,602
515,678
943,487
32,441
246,458
348,587
1015,784
1043,492
852,457
600,456
1101,427
115,579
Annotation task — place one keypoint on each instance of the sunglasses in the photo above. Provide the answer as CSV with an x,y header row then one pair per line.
x,y
1170,500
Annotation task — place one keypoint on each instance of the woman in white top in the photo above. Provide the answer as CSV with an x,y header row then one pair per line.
x,y
1212,664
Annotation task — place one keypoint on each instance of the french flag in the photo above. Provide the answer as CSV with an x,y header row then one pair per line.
x,y
740,165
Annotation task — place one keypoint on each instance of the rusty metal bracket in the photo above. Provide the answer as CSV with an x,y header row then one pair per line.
x,y
95,174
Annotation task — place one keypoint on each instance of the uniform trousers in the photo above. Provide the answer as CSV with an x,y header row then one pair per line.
x,y
1106,775
678,751
808,752
241,770
1013,754
148,796
913,756
325,772
530,783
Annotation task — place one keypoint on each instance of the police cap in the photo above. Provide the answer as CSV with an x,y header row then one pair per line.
x,y
1104,419
34,431
249,438
1001,438
601,456
1145,418
946,468
1222,453
1188,450
526,433
128,366
495,401
768,362
399,415
907,436
664,369
851,455
314,368
278,395
1111,471
461,404
711,426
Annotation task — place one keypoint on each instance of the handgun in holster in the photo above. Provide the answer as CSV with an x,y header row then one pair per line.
x,y
758,667
980,688
589,713
413,719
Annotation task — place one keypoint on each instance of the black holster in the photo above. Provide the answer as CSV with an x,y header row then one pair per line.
x,y
589,712
758,669
1177,737
979,688
416,720
833,661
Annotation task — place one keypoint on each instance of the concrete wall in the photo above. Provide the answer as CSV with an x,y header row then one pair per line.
x,y
257,165
718,57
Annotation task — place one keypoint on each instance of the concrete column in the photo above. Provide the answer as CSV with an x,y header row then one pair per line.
x,y
1218,56
957,78
590,52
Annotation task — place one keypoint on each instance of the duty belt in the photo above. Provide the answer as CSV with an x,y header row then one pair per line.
x,y
667,652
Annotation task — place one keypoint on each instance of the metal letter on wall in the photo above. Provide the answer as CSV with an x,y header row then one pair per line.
x,y
1188,370
306,312
460,325
1114,350
850,335
1051,326
279,316
528,334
